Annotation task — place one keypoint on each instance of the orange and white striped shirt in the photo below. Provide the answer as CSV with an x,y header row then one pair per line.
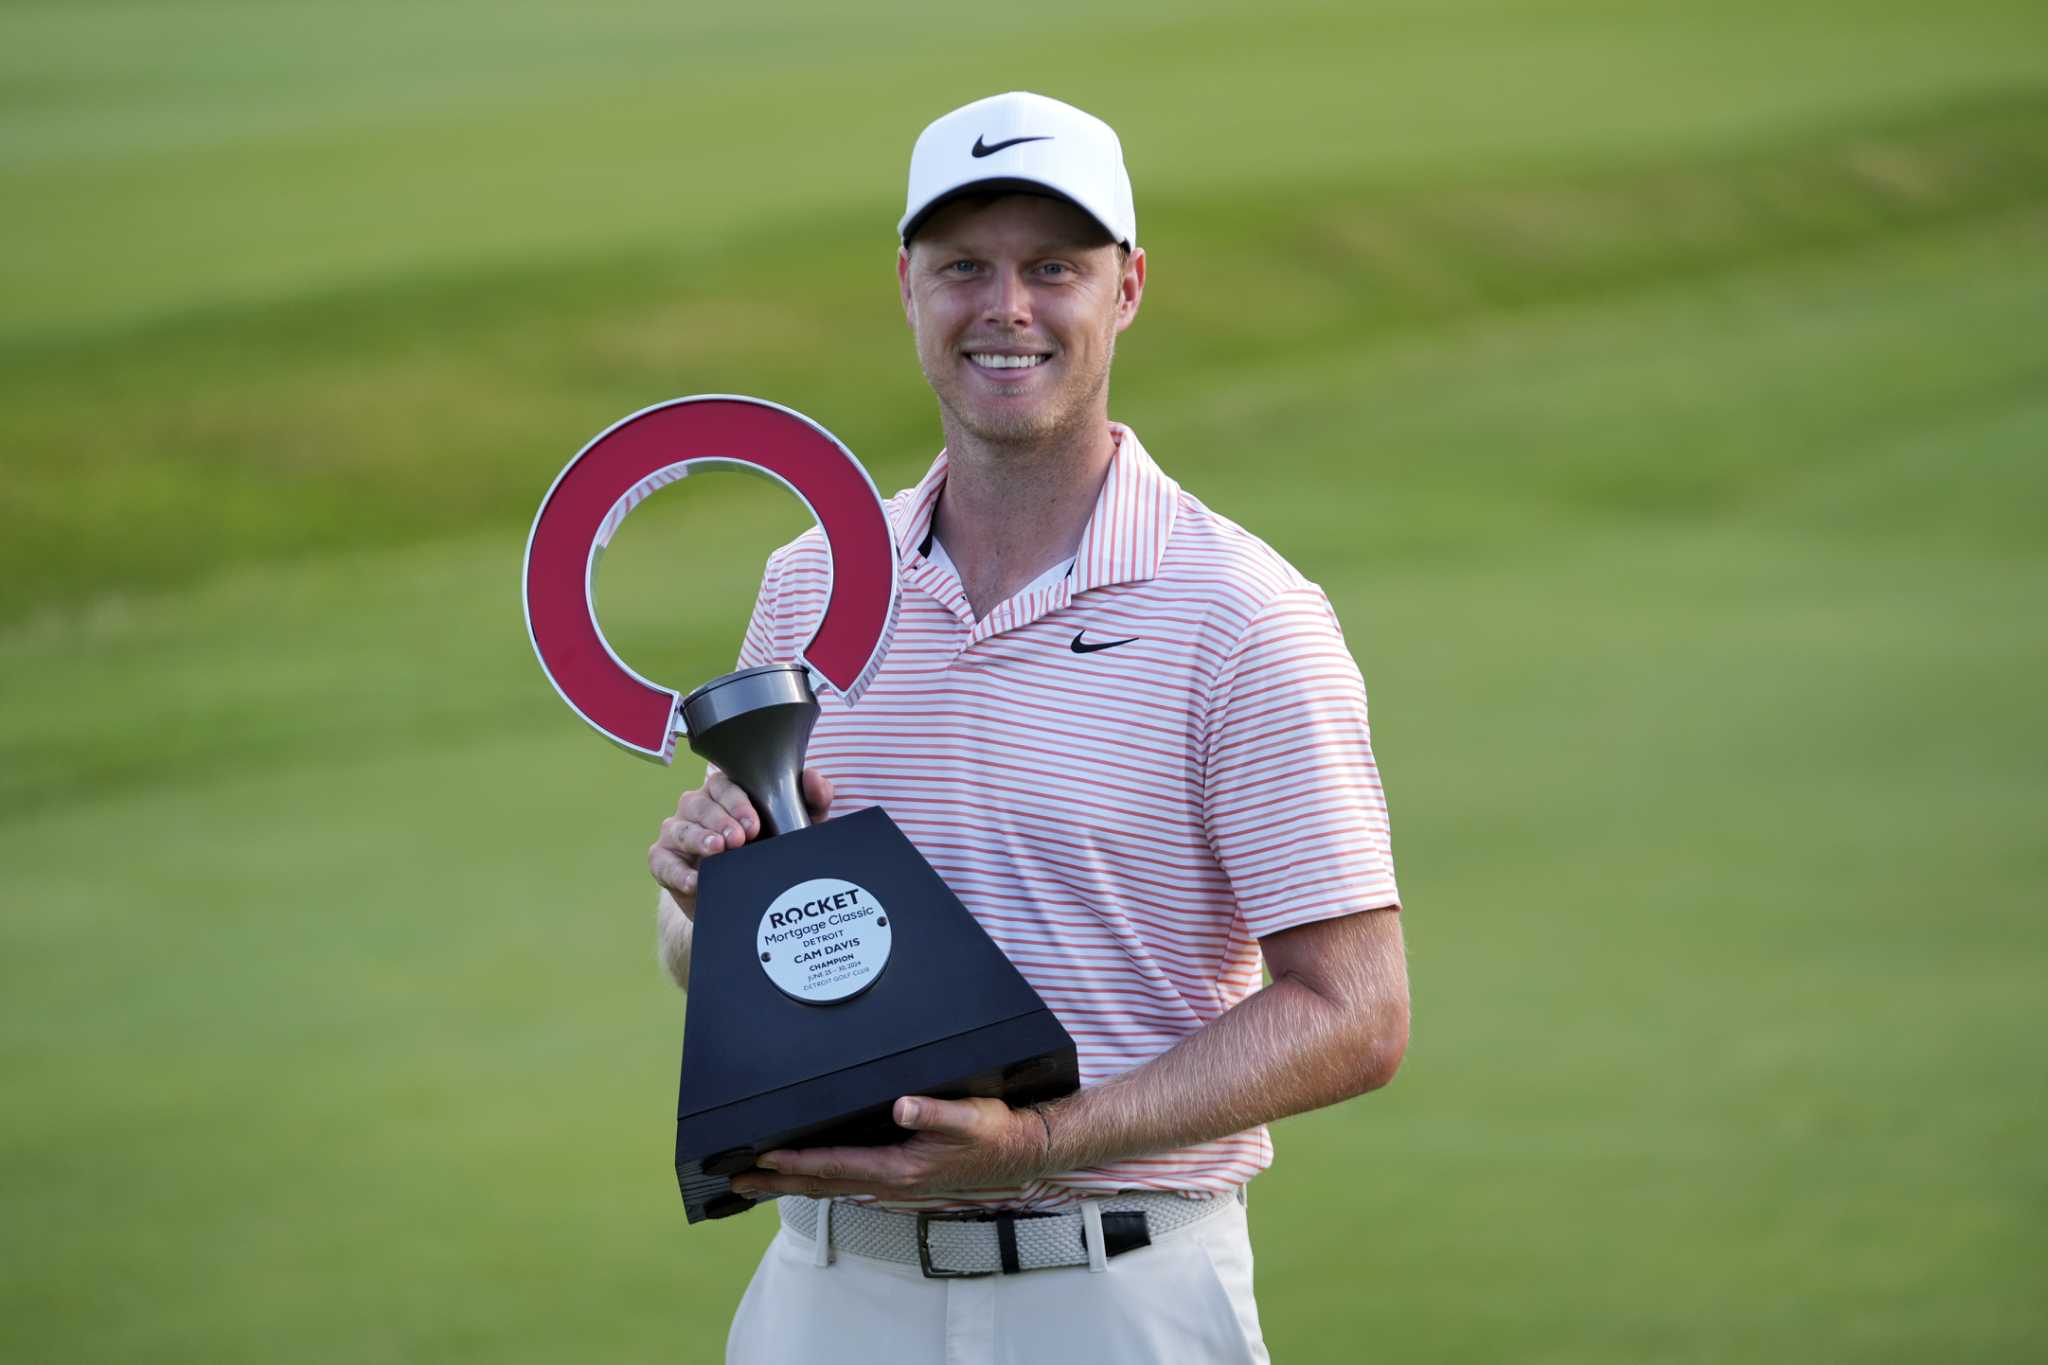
x,y
1129,775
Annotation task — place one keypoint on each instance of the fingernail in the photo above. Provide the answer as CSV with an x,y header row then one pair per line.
x,y
909,1108
745,1187
772,1161
712,841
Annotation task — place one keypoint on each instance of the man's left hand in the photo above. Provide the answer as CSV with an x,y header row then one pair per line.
x,y
956,1145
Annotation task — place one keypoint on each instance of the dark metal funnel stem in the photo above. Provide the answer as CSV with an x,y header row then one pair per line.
x,y
755,725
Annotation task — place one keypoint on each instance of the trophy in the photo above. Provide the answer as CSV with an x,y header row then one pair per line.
x,y
832,970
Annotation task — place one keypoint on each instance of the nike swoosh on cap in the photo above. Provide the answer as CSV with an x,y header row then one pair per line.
x,y
984,149
1079,648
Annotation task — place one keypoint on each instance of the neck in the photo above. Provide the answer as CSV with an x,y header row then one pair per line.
x,y
1010,512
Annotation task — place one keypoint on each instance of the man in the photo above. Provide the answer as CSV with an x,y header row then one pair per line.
x,y
1130,738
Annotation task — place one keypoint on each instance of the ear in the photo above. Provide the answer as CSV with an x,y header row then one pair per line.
x,y
1130,290
903,282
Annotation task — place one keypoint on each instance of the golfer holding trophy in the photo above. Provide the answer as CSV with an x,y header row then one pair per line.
x,y
1106,757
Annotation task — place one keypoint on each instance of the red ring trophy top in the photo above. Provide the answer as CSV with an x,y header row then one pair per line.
x,y
658,446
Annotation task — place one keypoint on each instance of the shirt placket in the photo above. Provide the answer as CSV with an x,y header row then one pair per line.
x,y
1022,610
943,587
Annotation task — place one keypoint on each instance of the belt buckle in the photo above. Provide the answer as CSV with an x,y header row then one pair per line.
x,y
925,1219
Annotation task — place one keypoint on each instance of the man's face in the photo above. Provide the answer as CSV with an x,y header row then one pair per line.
x,y
1016,303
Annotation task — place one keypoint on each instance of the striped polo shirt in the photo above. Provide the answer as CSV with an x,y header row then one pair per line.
x,y
1129,774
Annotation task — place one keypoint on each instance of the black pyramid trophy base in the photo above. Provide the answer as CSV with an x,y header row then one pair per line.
x,y
948,1015
832,970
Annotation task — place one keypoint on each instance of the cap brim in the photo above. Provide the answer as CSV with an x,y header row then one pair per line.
x,y
1009,184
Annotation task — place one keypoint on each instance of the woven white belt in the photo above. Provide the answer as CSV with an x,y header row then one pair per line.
x,y
979,1242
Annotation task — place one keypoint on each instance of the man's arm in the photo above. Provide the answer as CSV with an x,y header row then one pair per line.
x,y
673,932
1333,1024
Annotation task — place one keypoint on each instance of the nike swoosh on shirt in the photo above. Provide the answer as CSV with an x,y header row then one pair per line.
x,y
1079,648
989,150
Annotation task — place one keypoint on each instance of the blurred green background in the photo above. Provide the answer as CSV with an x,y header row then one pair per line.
x,y
1660,390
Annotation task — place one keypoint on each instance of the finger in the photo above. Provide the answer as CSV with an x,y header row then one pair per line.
x,y
817,792
675,837
715,821
733,802
672,872
874,1165
759,1183
690,839
950,1118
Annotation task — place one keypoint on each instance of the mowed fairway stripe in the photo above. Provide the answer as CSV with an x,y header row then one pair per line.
x,y
165,157
430,403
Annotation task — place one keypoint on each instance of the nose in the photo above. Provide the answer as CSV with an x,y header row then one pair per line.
x,y
1009,300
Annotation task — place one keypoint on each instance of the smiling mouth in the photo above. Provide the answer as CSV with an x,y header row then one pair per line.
x,y
990,360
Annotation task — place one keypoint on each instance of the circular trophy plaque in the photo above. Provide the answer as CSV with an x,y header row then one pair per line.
x,y
824,940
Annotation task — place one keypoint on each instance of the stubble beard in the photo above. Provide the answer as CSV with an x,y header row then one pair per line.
x,y
1045,425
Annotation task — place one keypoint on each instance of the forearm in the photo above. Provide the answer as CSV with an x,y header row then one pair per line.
x,y
1299,1044
673,937
1333,1024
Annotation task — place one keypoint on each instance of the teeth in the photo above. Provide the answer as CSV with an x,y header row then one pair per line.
x,y
1005,362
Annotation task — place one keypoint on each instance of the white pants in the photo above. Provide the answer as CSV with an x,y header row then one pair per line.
x,y
1184,1300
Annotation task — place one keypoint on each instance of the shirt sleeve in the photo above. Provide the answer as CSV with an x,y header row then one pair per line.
x,y
1291,794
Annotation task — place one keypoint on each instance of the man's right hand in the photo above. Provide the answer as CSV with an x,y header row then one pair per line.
x,y
711,819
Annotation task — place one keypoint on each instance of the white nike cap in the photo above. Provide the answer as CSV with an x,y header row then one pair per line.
x,y
1028,143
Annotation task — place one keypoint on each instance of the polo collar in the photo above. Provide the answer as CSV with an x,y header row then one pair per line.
x,y
1126,535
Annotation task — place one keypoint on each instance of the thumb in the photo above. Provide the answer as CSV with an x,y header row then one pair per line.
x,y
922,1114
817,792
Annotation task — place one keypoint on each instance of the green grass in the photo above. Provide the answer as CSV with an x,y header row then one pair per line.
x,y
1660,392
